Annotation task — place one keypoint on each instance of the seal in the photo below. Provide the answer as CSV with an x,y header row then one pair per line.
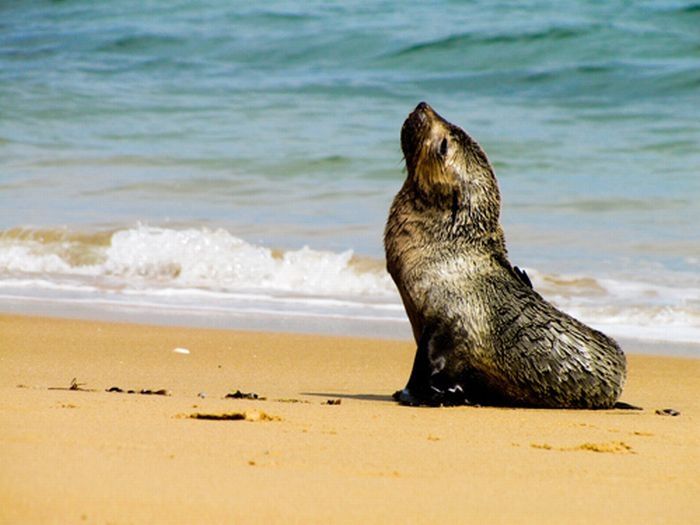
x,y
483,334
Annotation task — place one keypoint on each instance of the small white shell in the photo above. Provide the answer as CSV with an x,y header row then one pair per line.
x,y
181,351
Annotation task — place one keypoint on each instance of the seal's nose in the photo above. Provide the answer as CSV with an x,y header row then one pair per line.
x,y
423,112
424,107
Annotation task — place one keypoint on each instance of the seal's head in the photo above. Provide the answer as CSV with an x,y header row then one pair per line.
x,y
445,165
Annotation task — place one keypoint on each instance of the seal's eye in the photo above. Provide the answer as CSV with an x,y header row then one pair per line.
x,y
443,147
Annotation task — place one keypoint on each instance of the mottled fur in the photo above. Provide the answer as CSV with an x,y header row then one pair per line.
x,y
483,334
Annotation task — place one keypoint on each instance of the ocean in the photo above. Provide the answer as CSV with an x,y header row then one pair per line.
x,y
221,163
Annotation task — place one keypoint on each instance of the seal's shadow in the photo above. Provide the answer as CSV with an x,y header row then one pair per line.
x,y
363,397
619,406
386,397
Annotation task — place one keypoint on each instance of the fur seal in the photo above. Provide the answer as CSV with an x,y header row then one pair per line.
x,y
484,335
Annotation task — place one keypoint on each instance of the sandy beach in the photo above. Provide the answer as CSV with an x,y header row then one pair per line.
x,y
86,455
199,226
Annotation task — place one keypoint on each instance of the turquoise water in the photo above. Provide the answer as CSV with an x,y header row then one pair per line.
x,y
279,125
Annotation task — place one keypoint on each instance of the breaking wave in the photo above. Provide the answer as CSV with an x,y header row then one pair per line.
x,y
200,270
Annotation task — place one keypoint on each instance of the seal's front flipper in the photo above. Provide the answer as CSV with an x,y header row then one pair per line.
x,y
404,397
416,389
452,396
428,383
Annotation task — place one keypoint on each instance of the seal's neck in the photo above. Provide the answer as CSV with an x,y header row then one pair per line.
x,y
467,207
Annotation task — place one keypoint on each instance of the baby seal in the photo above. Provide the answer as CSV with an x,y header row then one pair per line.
x,y
484,336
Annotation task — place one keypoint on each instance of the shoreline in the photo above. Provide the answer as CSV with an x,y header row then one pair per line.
x,y
382,329
96,456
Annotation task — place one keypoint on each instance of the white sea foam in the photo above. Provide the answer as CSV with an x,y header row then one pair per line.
x,y
216,259
22,258
195,258
212,272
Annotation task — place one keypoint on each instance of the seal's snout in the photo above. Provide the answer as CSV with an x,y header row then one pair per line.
x,y
414,128
422,112
423,107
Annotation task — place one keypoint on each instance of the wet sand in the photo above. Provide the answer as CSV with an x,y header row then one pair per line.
x,y
92,456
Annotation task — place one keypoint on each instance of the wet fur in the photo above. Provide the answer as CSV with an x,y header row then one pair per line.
x,y
484,336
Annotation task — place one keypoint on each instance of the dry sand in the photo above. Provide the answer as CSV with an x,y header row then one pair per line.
x,y
90,456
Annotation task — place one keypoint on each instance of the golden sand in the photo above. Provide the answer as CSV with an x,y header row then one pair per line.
x,y
71,452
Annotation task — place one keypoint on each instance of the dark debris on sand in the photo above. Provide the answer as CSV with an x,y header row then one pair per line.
x,y
243,395
667,412
145,391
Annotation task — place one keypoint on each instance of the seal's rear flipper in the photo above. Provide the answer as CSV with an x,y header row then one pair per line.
x,y
626,406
